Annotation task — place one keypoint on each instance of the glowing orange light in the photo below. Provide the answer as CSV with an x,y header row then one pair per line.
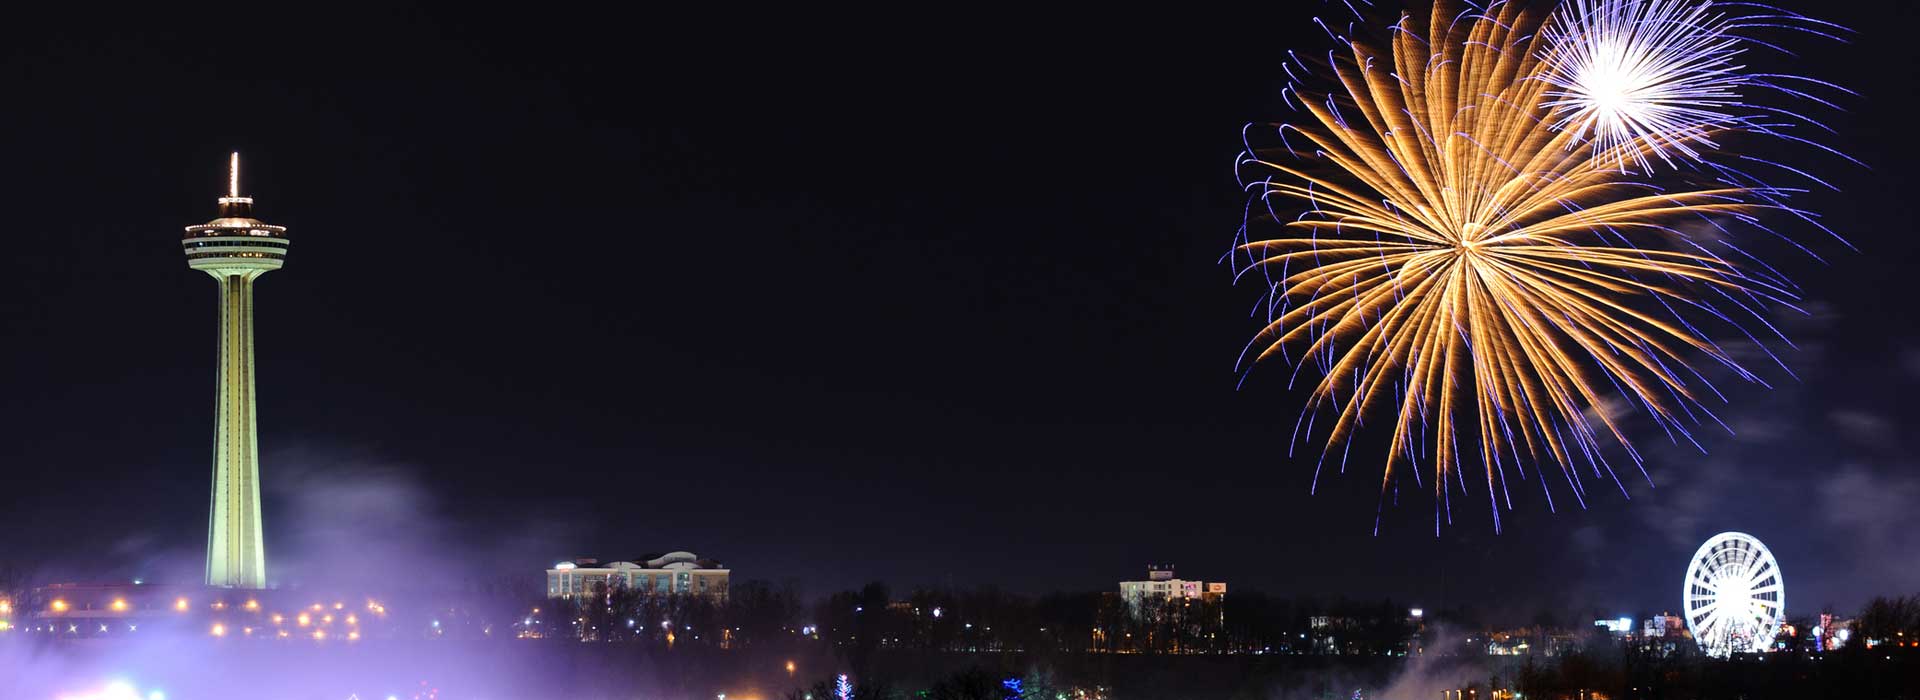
x,y
351,620
326,619
319,635
5,607
119,605
353,636
277,619
253,605
180,604
789,668
59,605
219,630
303,620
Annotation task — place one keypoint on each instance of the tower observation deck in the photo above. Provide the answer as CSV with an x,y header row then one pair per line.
x,y
235,249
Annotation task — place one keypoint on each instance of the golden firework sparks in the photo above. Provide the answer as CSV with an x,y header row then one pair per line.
x,y
1468,263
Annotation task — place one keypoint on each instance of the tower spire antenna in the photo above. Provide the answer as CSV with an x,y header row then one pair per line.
x,y
233,176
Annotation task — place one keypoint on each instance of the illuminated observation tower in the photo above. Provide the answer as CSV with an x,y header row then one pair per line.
x,y
236,249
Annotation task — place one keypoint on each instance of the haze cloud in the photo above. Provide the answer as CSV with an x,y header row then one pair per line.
x,y
350,518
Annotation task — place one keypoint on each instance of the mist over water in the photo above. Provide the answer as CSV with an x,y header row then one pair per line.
x,y
184,667
349,535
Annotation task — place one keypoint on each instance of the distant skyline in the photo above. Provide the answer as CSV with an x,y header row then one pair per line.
x,y
937,305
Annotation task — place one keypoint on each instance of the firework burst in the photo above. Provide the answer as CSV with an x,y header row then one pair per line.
x,y
1643,76
1485,277
1660,78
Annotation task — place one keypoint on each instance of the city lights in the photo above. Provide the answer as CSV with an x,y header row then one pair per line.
x,y
59,605
219,630
180,604
119,605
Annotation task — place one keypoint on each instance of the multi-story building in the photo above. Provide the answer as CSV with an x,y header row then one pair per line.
x,y
1162,586
1662,626
674,573
1173,615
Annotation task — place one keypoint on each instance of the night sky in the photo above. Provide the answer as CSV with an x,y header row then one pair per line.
x,y
927,298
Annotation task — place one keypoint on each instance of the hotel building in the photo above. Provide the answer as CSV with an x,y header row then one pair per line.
x,y
675,573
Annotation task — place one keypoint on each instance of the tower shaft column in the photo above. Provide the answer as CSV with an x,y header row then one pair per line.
x,y
236,554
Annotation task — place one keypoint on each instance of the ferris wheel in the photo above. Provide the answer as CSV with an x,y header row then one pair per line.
x,y
1733,597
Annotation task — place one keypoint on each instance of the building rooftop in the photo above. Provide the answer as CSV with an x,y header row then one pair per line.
x,y
670,560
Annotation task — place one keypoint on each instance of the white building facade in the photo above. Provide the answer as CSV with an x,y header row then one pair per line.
x,y
1161,586
675,573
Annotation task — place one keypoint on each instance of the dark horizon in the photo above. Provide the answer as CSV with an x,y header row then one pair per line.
x,y
938,303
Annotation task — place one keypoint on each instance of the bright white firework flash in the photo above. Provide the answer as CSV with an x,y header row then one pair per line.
x,y
1661,72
